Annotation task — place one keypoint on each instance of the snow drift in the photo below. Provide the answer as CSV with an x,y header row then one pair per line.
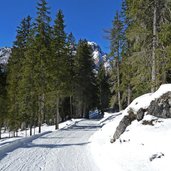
x,y
144,145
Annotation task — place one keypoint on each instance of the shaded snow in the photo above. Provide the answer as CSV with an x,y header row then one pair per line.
x,y
22,134
62,150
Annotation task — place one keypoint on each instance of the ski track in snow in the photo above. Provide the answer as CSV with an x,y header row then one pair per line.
x,y
62,150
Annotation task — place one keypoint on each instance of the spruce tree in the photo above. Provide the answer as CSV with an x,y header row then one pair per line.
x,y
60,67
85,90
43,56
28,93
116,38
71,45
14,77
146,26
3,99
103,88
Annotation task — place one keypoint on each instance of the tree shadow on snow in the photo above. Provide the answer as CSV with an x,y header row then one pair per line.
x,y
83,128
49,146
61,145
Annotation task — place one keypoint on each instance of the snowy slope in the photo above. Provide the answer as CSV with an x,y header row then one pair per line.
x,y
145,100
98,55
143,146
4,55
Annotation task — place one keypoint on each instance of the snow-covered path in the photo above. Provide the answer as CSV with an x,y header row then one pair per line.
x,y
62,150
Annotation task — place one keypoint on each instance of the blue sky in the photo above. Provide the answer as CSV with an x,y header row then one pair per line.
x,y
85,18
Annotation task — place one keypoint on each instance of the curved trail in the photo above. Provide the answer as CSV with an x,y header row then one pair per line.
x,y
62,150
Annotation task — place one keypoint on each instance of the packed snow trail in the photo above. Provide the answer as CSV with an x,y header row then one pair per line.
x,y
62,150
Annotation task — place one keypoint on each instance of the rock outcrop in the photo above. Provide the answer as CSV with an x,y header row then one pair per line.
x,y
124,123
160,107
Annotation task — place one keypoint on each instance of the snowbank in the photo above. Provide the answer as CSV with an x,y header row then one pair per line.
x,y
135,148
17,143
8,144
144,146
145,100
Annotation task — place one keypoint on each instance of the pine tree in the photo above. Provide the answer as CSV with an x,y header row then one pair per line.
x,y
145,28
116,37
3,99
103,88
85,91
60,68
28,93
15,75
43,60
71,45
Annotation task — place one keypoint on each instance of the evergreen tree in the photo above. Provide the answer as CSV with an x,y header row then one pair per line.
x,y
15,75
116,38
3,99
145,28
103,88
43,56
60,68
71,45
28,91
85,91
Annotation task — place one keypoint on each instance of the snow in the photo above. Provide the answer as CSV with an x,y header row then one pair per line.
x,y
45,128
98,55
145,100
84,145
143,146
4,55
135,147
63,150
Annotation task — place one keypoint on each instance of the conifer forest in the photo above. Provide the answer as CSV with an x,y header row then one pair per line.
x,y
50,77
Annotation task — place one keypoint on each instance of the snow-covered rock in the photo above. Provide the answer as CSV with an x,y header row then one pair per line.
x,y
4,55
145,100
98,55
143,146
156,104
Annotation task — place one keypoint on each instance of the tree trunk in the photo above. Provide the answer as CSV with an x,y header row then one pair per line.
x,y
57,113
41,112
153,73
39,123
129,95
71,106
34,129
118,82
0,130
31,129
84,110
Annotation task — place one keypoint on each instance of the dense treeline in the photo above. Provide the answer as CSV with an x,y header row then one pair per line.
x,y
49,77
141,47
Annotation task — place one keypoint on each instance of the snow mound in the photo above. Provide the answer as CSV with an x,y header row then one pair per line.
x,y
144,146
145,100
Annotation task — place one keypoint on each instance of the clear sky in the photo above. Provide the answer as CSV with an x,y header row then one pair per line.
x,y
85,18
